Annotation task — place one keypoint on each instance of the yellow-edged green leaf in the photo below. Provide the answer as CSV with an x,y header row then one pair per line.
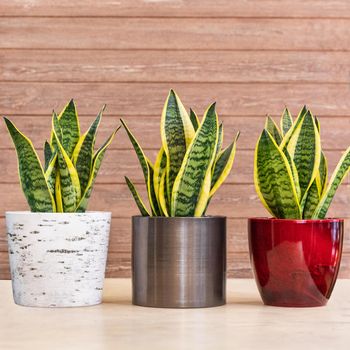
x,y
145,166
194,119
58,193
151,190
69,123
273,179
47,154
177,133
192,184
223,165
272,128
293,129
159,168
96,164
323,172
304,148
137,198
69,180
338,176
220,140
162,196
50,173
84,150
31,173
286,121
312,199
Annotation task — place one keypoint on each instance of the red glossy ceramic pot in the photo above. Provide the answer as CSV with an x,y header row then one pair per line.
x,y
295,262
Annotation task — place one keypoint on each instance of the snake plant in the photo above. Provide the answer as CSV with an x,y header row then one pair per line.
x,y
65,182
190,166
290,168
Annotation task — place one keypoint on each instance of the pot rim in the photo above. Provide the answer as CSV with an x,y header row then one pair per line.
x,y
208,217
297,221
30,213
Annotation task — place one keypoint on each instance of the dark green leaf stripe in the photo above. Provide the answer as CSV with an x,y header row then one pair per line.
x,y
312,200
47,154
194,119
286,121
68,120
70,187
305,149
273,179
177,132
272,128
192,185
96,164
338,176
31,174
137,198
84,155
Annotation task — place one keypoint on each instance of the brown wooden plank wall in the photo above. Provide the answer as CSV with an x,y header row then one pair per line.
x,y
252,57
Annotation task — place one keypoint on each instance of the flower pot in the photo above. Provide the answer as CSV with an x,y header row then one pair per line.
x,y
179,262
58,259
295,262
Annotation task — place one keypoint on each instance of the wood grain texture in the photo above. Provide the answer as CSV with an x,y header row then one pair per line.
x,y
175,33
252,57
177,8
174,66
255,99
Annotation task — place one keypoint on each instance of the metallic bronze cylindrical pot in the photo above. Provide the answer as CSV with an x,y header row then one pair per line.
x,y
179,262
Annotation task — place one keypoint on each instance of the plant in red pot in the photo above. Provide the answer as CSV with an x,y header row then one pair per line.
x,y
296,254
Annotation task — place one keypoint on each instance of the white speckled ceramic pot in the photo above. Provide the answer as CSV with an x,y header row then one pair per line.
x,y
58,259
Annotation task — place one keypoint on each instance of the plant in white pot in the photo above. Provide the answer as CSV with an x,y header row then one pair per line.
x,y
58,251
179,253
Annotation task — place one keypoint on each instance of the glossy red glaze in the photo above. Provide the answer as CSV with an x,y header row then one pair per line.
x,y
295,262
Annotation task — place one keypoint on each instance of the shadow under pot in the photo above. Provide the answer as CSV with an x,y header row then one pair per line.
x,y
179,262
57,259
295,262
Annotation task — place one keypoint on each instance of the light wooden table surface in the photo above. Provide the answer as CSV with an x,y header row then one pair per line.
x,y
244,323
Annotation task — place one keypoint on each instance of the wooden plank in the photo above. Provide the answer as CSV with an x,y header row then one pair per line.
x,y
175,66
118,163
188,8
231,200
119,265
146,129
147,99
175,33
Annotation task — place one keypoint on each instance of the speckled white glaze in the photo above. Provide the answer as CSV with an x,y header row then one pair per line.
x,y
58,259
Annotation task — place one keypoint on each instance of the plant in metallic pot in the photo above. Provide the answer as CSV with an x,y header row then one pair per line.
x,y
58,251
296,254
179,253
